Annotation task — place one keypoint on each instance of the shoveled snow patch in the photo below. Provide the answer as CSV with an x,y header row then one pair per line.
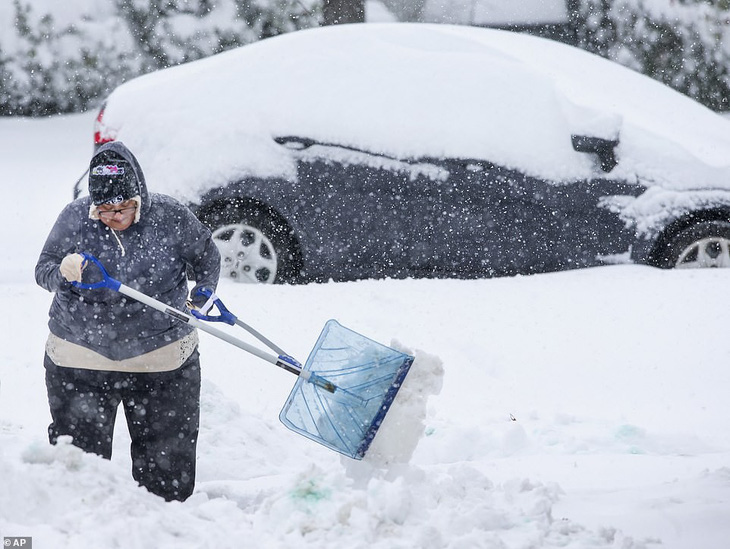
x,y
451,506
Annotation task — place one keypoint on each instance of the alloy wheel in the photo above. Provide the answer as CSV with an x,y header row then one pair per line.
x,y
247,255
705,253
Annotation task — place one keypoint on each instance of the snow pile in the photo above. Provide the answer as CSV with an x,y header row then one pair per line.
x,y
657,207
454,507
72,499
404,425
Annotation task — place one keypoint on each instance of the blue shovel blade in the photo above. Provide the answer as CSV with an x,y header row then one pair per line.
x,y
367,376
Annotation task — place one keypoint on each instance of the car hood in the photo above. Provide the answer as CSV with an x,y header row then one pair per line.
x,y
411,91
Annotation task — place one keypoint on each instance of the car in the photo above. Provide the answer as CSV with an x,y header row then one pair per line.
x,y
410,150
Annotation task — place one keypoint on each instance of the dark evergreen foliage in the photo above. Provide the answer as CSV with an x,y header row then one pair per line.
x,y
59,70
52,69
677,43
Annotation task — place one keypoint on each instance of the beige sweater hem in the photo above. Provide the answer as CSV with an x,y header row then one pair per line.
x,y
165,359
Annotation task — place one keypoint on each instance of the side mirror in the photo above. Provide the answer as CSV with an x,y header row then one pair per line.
x,y
603,148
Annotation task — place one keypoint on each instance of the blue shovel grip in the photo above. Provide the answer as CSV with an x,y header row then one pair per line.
x,y
224,314
106,281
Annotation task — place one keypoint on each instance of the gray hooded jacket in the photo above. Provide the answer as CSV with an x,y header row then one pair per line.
x,y
153,256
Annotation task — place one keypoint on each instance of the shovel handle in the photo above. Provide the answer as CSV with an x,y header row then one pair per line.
x,y
224,315
106,281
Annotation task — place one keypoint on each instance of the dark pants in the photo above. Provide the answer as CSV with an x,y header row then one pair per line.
x,y
162,412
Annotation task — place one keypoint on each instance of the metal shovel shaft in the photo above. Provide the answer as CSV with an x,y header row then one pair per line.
x,y
258,335
192,321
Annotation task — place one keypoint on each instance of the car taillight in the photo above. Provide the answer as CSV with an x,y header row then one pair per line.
x,y
101,134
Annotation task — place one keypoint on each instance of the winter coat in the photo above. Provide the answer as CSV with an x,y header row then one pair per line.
x,y
153,256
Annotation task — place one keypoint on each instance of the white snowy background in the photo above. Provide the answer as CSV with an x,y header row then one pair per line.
x,y
617,379
578,409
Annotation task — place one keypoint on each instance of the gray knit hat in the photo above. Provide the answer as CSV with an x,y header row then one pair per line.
x,y
111,179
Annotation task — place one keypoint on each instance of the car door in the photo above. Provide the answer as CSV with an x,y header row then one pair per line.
x,y
357,211
591,230
481,221
486,219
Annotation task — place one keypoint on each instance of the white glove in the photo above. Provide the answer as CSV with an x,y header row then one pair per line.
x,y
72,266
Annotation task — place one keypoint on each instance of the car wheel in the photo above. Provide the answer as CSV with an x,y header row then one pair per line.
x,y
254,248
702,245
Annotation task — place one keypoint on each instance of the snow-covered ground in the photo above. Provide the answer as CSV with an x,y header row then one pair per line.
x,y
578,409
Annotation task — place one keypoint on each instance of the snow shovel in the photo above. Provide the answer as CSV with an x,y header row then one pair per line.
x,y
343,391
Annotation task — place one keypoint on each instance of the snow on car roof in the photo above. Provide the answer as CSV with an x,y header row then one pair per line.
x,y
409,91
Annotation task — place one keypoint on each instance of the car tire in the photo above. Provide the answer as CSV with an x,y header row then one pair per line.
x,y
702,245
254,247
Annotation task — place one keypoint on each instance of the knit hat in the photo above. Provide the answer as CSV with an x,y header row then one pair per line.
x,y
111,179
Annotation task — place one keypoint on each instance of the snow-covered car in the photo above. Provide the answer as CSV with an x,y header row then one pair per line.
x,y
377,150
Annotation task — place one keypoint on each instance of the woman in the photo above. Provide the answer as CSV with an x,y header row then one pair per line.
x,y
104,348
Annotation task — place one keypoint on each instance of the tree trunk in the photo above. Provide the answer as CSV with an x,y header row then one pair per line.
x,y
337,12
